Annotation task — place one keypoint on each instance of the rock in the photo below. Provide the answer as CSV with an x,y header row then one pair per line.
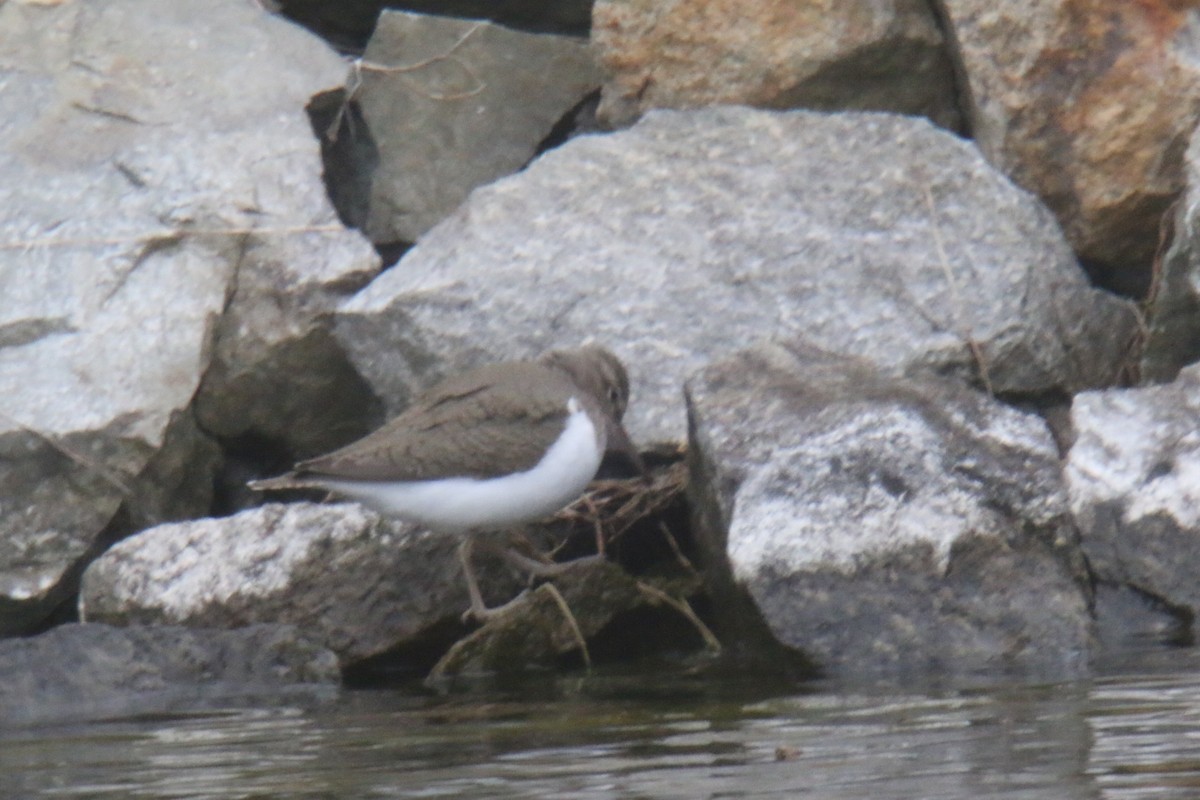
x,y
695,233
275,371
1128,619
887,56
452,104
77,672
1089,105
1134,479
153,221
884,526
535,629
557,618
1173,325
359,583
61,495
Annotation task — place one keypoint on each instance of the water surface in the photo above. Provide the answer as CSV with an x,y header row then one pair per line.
x,y
1131,732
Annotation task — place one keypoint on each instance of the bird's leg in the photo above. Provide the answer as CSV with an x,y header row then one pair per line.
x,y
518,539
599,527
477,611
540,568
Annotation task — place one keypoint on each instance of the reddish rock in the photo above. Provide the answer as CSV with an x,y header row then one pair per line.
x,y
886,56
1089,104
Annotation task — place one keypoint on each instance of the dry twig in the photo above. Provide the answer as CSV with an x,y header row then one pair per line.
x,y
100,470
711,642
359,66
168,235
683,560
1131,369
615,505
572,622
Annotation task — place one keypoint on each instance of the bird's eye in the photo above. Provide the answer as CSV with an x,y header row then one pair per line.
x,y
614,396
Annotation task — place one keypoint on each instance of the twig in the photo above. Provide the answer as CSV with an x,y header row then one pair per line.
x,y
679,556
360,65
711,642
1131,369
432,59
28,244
596,523
1166,237
619,504
105,474
566,610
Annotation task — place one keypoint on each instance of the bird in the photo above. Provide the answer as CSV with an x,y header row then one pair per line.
x,y
494,447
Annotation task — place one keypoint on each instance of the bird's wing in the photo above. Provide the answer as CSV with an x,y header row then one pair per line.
x,y
477,425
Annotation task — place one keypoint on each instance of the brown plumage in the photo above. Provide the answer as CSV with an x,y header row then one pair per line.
x,y
468,454
490,421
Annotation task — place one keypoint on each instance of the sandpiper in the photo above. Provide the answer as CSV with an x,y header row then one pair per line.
x,y
494,447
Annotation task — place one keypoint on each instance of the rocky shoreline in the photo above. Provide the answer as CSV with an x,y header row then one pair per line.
x,y
908,300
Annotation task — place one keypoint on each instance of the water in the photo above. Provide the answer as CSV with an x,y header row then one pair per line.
x,y
1131,732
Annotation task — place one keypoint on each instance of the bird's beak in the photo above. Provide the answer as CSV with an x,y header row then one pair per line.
x,y
619,442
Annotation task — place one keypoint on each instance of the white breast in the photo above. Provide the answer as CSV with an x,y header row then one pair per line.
x,y
467,503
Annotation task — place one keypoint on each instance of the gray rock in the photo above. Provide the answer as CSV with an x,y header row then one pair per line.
x,y
535,630
154,220
62,496
452,104
1173,325
883,56
275,369
696,233
557,617
882,525
77,672
359,583
1134,479
1129,619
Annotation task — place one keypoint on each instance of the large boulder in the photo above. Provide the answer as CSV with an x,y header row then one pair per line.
x,y
451,104
1134,479
695,233
359,583
881,525
1089,104
158,227
884,56
78,672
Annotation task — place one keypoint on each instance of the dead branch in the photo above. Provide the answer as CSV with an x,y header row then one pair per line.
x,y
572,622
167,235
99,470
655,596
613,506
